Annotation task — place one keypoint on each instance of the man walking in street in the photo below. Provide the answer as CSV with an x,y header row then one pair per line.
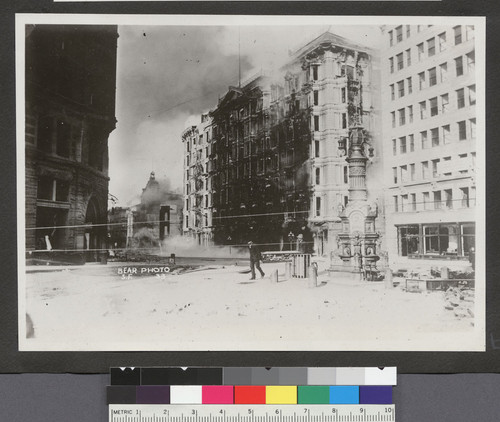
x,y
255,258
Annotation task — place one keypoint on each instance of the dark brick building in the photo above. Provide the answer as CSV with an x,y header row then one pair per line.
x,y
70,112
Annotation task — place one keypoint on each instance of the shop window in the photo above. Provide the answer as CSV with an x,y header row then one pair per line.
x,y
408,240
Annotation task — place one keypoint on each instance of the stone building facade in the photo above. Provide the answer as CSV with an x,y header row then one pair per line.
x,y
70,112
429,86
198,181
277,170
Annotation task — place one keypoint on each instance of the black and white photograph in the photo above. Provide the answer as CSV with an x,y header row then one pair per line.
x,y
284,183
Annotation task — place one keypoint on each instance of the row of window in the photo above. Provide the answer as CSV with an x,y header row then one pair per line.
x,y
317,175
444,240
404,59
435,200
340,121
446,134
465,97
438,167
433,76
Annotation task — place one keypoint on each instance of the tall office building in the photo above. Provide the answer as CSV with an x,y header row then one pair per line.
x,y
429,128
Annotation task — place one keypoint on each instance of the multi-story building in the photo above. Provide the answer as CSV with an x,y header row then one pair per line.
x,y
197,213
70,112
277,160
429,126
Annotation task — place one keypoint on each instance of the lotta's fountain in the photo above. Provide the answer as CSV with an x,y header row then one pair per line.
x,y
357,241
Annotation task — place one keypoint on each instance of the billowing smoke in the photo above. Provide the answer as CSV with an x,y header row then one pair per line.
x,y
188,247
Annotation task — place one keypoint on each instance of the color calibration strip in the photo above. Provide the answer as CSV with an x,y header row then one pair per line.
x,y
262,386
254,376
250,394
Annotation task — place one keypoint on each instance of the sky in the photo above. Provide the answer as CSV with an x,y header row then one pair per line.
x,y
168,75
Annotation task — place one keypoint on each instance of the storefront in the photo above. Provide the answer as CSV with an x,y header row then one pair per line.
x,y
443,241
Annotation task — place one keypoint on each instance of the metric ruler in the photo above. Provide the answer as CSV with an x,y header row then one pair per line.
x,y
251,413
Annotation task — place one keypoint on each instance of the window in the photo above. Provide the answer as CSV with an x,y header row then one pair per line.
x,y
408,57
391,38
459,66
393,96
443,72
445,167
393,118
399,33
404,174
435,165
63,138
435,137
432,76
420,51
445,102
391,64
442,41
425,170
431,47
395,201
400,61
423,139
318,206
458,34
468,235
394,147
412,143
343,95
446,134
412,172
465,202
472,123
402,118
346,175
404,202
395,175
413,202
426,199
460,98
471,62
472,94
433,102
315,72
469,32
437,200
448,198
344,120
421,80
316,123
410,114
44,134
408,31
401,89
409,241
318,174
462,131
423,110
410,87
52,189
402,145
316,98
